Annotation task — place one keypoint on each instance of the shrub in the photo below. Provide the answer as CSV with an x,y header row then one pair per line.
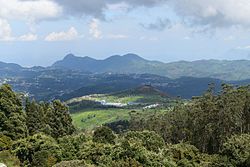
x,y
37,150
151,140
8,159
237,150
104,135
5,142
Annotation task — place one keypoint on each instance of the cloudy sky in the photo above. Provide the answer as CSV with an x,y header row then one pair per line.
x,y
39,32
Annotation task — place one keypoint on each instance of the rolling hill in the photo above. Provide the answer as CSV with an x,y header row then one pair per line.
x,y
98,109
131,63
79,76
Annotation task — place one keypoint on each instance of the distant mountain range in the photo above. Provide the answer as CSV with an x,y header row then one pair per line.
x,y
78,76
228,70
131,63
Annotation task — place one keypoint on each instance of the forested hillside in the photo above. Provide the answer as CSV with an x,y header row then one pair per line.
x,y
77,76
210,130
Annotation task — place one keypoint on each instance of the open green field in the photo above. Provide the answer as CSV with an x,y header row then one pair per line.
x,y
143,95
88,112
89,119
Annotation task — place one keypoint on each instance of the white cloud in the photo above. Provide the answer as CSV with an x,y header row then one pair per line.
x,y
29,10
187,38
229,38
145,38
210,13
28,37
213,13
198,13
243,47
94,29
117,36
124,7
71,34
5,31
159,25
153,39
97,8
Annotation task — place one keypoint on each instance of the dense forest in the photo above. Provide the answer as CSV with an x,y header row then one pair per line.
x,y
212,130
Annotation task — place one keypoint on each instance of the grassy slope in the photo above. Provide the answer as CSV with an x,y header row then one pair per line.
x,y
84,118
88,119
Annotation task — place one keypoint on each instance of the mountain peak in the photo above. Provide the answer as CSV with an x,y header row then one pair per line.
x,y
132,56
143,90
69,56
76,58
149,89
129,63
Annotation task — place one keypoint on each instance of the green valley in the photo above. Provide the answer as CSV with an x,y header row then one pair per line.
x,y
95,110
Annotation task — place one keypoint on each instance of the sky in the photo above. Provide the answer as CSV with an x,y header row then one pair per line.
x,y
40,32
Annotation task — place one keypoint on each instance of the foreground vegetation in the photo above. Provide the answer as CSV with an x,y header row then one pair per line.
x,y
210,131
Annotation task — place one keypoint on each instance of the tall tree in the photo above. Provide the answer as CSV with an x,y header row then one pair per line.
x,y
35,117
58,119
12,116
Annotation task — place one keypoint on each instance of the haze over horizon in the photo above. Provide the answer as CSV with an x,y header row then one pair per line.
x,y
40,32
105,58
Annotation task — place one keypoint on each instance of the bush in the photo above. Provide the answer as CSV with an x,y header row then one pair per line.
x,y
38,150
104,135
237,150
70,146
151,140
5,142
74,163
96,153
8,159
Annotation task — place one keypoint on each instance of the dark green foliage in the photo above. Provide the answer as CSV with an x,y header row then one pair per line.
x,y
128,162
237,150
59,120
8,159
5,142
73,163
70,146
215,124
50,118
36,120
96,153
184,154
84,104
104,135
38,150
43,158
118,126
205,122
132,152
12,117
135,150
150,140
124,153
